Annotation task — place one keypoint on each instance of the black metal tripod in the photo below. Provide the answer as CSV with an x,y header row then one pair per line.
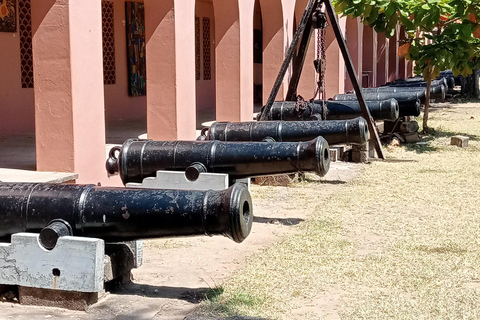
x,y
303,34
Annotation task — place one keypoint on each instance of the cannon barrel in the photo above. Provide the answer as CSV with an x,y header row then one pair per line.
x,y
408,104
379,110
120,214
138,159
334,131
335,110
437,91
397,93
451,79
418,81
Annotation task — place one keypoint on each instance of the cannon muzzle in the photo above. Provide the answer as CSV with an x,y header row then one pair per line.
x,y
138,159
121,214
334,131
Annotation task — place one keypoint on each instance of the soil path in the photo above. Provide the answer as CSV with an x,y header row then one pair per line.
x,y
177,271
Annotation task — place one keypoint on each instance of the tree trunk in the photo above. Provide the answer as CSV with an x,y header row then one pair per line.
x,y
427,104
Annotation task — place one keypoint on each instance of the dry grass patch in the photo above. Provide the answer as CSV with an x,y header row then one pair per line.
x,y
402,241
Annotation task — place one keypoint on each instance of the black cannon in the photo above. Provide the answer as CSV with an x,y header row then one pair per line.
x,y
437,91
334,131
397,93
419,81
121,214
335,110
408,104
451,79
138,159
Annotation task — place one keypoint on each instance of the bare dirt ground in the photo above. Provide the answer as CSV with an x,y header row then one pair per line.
x,y
177,271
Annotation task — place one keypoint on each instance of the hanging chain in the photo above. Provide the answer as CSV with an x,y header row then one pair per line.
x,y
323,70
320,61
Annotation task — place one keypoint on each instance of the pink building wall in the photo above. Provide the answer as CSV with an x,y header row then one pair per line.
x,y
354,35
17,107
335,69
71,114
369,57
307,83
382,59
393,58
69,95
273,45
118,104
205,89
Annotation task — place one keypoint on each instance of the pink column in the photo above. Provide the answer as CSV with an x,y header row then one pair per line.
x,y
335,69
382,59
402,66
234,59
273,45
354,35
307,83
370,55
170,53
246,10
410,67
69,99
393,57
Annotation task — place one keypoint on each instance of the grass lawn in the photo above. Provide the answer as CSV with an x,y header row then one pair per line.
x,y
401,241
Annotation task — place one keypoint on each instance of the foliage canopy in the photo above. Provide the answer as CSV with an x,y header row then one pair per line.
x,y
441,34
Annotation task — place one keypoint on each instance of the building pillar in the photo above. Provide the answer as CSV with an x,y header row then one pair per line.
x,y
234,59
354,34
393,57
170,60
410,67
307,83
382,59
69,97
273,46
402,65
335,68
369,57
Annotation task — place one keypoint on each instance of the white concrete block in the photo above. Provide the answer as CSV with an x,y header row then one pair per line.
x,y
334,154
246,181
176,180
75,264
459,141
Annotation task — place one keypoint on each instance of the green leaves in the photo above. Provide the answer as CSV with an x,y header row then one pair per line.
x,y
446,24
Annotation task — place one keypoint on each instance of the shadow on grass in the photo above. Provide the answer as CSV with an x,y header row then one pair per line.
x,y
282,221
200,317
440,250
192,295
420,148
224,309
440,133
392,160
323,181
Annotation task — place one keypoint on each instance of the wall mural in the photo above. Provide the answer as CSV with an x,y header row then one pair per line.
x,y
135,24
8,21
